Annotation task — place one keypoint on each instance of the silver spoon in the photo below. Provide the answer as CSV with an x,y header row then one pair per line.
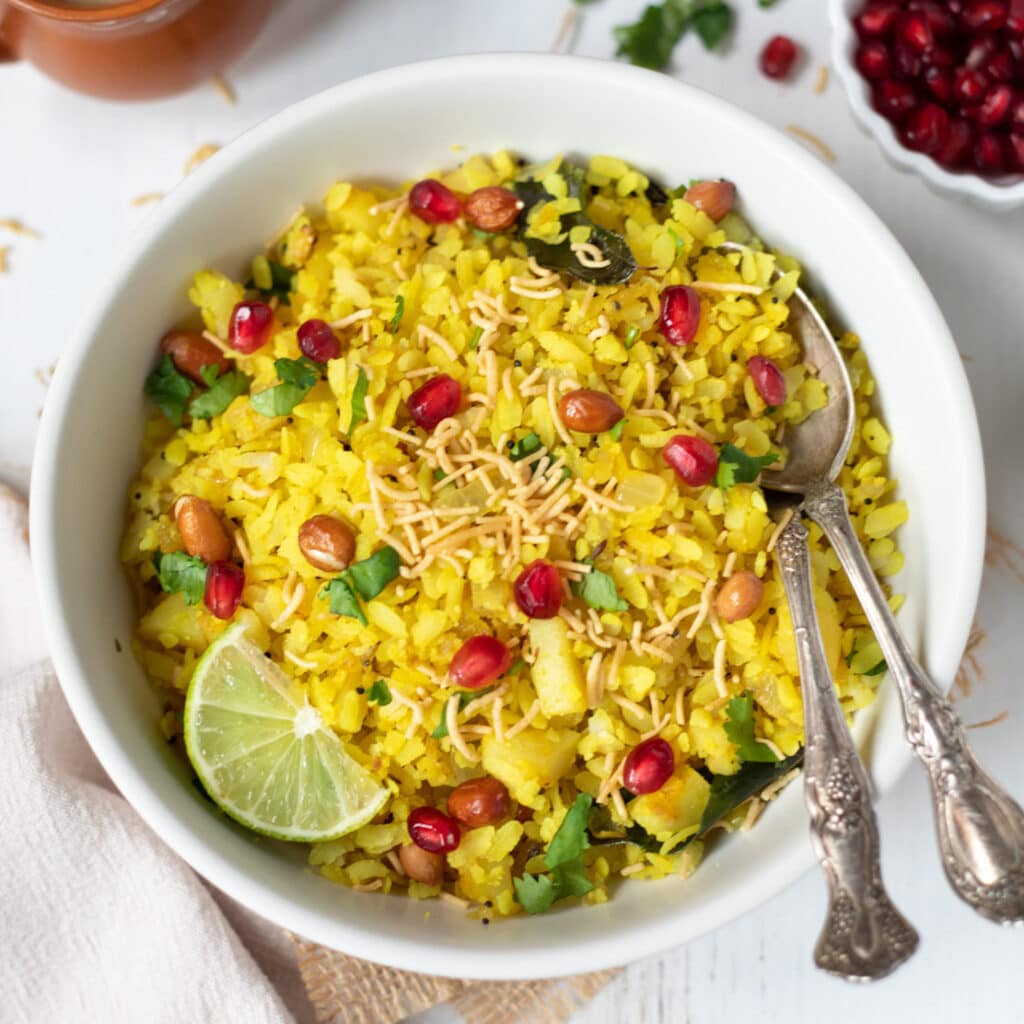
x,y
864,936
980,827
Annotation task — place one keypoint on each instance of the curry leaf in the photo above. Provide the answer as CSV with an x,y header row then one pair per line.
x,y
180,573
223,390
169,390
729,791
739,727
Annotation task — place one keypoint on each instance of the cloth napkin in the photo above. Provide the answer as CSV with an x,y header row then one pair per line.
x,y
99,921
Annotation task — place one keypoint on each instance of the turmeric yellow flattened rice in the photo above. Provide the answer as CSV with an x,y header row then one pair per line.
x,y
474,464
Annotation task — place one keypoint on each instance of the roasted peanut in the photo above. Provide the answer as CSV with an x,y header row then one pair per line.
x,y
715,198
589,412
421,865
327,543
477,802
492,209
739,596
201,530
191,352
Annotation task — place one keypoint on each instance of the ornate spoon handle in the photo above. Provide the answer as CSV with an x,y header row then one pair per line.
x,y
864,936
980,827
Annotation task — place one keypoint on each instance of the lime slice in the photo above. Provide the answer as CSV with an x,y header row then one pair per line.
x,y
263,753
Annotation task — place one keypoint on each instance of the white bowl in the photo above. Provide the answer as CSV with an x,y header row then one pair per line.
x,y
1002,193
392,125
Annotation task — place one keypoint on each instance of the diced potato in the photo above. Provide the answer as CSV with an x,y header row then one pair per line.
x,y
557,674
831,634
679,804
529,762
175,621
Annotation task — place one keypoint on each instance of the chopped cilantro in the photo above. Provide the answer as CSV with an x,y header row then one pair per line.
x,y
712,23
739,727
680,244
380,693
342,599
650,40
878,669
180,573
631,335
616,432
280,284
465,696
222,391
767,3
399,313
564,860
525,446
297,377
169,390
474,338
359,400
736,467
370,576
481,234
597,589
516,666
439,474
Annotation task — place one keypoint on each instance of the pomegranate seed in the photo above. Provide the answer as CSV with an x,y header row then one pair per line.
x,y
873,61
479,661
648,766
250,326
433,830
940,84
680,314
538,590
906,60
955,151
894,100
224,584
318,341
926,129
1015,17
694,460
1016,47
986,14
1017,114
1015,150
939,57
433,202
999,67
916,32
969,85
995,106
981,50
876,20
778,56
768,380
434,401
941,21
989,157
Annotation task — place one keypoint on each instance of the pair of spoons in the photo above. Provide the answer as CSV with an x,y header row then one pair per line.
x,y
980,827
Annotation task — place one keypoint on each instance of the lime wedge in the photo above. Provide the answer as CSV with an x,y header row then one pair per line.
x,y
263,753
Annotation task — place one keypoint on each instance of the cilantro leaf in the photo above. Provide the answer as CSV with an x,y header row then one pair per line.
x,y
280,283
399,313
736,467
649,42
739,727
380,693
169,390
878,669
370,576
342,599
571,839
223,390
570,879
524,447
465,696
534,893
631,335
297,377
359,400
597,589
767,3
712,23
616,432
180,573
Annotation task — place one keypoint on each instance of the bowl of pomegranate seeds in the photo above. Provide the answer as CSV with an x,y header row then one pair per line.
x,y
940,85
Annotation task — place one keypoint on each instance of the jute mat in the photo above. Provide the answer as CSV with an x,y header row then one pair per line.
x,y
344,990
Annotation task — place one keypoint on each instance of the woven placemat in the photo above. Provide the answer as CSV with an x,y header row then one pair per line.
x,y
344,990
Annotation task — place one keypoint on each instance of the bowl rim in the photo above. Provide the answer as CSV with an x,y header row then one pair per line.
x,y
601,950
964,184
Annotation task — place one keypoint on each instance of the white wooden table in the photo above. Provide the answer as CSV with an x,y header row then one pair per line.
x,y
71,166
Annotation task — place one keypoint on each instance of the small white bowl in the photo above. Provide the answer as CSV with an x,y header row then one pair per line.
x,y
1000,193
394,125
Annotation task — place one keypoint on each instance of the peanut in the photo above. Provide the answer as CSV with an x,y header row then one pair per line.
x,y
201,530
191,353
421,865
715,198
477,802
589,412
492,209
327,543
739,596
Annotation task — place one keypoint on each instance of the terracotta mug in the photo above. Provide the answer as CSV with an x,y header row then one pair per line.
x,y
135,49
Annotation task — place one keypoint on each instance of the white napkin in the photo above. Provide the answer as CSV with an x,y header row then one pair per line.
x,y
99,921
